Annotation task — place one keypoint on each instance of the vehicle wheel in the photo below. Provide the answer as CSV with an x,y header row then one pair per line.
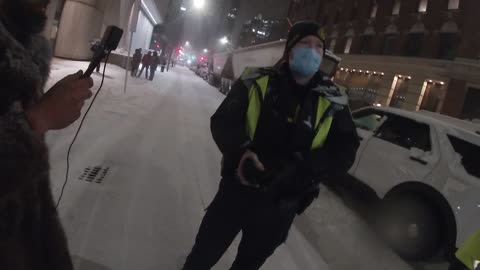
x,y
411,226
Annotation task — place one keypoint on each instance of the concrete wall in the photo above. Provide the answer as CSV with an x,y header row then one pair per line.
x,y
81,22
143,35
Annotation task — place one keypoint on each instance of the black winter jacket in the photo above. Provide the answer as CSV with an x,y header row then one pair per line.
x,y
275,140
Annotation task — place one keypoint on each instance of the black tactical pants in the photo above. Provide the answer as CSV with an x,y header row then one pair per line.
x,y
263,223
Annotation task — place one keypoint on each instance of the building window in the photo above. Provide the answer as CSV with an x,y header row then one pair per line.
x,y
471,110
453,4
400,90
373,9
432,96
389,44
422,6
366,44
354,12
348,45
414,44
396,7
448,46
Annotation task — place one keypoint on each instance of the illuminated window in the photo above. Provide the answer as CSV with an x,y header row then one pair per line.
x,y
453,4
396,7
422,6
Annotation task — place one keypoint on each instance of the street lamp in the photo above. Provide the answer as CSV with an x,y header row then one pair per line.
x,y
224,40
205,50
183,8
187,43
199,4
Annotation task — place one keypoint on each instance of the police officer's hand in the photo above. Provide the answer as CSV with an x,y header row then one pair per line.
x,y
252,156
61,105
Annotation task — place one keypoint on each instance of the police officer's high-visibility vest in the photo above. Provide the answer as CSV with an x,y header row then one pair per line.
x,y
469,252
256,95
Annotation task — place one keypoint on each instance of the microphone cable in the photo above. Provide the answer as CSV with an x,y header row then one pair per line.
x,y
78,131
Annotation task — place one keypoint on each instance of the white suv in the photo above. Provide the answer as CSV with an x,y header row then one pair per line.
x,y
426,169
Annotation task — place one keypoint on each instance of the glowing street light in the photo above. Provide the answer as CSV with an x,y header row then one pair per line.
x,y
224,40
205,50
187,43
199,4
183,8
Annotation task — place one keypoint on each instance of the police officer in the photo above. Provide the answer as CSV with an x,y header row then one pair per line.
x,y
281,131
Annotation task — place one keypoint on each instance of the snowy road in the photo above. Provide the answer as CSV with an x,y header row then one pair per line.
x,y
164,170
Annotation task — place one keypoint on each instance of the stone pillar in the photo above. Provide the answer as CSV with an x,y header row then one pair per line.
x,y
52,8
81,22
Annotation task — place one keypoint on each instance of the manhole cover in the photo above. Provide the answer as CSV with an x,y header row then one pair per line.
x,y
94,174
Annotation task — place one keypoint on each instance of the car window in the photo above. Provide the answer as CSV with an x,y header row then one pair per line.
x,y
367,119
406,133
469,152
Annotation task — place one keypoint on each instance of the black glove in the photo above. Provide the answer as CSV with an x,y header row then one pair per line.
x,y
253,175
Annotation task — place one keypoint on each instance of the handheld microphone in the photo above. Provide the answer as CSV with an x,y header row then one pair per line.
x,y
109,42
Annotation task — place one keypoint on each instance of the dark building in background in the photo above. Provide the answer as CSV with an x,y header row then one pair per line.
x,y
270,15
168,34
261,30
411,54
228,17
305,10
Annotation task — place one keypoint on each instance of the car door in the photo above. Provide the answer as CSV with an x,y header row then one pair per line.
x,y
399,151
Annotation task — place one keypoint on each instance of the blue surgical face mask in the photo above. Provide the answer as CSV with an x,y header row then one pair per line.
x,y
305,61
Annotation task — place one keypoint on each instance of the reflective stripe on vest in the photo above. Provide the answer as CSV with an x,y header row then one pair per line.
x,y
323,127
255,103
469,251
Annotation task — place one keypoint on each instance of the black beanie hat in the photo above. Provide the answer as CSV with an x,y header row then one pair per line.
x,y
302,29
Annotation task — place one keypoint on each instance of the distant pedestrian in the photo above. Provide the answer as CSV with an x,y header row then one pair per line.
x,y
163,63
94,45
137,58
154,65
146,62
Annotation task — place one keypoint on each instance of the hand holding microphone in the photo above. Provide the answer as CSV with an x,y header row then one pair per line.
x,y
61,105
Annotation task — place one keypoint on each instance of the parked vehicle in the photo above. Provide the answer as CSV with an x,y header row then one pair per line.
x,y
203,71
425,168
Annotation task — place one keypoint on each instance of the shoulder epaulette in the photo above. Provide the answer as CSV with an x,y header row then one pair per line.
x,y
331,91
